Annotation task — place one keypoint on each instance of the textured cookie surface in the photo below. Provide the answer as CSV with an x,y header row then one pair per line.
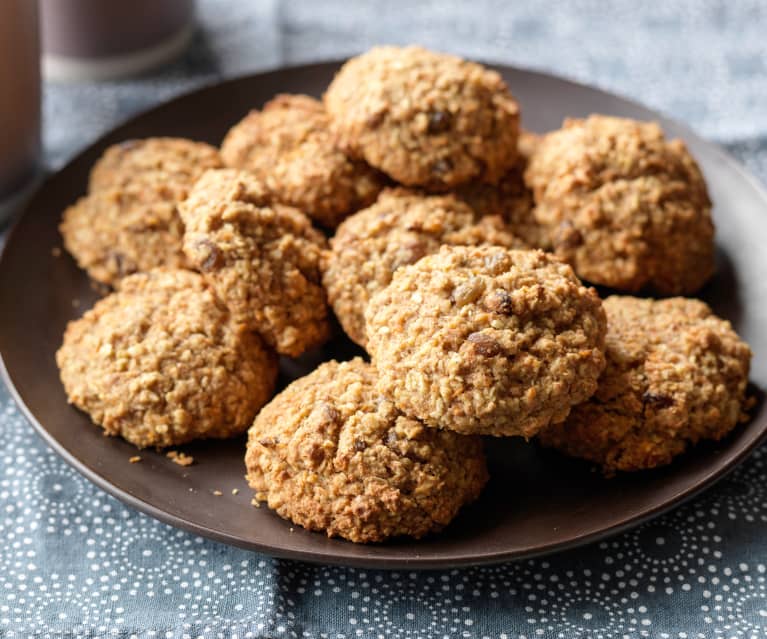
x,y
289,147
626,207
487,340
261,258
675,374
330,454
173,162
128,222
115,232
425,119
399,229
160,362
509,197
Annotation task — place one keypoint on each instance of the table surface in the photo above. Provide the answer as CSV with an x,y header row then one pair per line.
x,y
75,562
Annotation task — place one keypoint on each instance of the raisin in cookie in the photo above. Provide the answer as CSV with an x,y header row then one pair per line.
x,y
160,362
289,147
330,454
487,340
423,118
675,374
261,258
626,207
400,228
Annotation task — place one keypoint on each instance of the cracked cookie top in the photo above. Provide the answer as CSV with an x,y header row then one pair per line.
x,y
423,118
329,453
624,206
487,340
289,147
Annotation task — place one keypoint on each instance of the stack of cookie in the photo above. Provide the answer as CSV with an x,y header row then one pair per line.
x,y
457,257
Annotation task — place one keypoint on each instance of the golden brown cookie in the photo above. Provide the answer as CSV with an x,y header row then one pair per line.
x,y
289,147
400,228
160,362
425,119
626,207
330,454
129,221
173,162
486,340
115,232
675,374
261,258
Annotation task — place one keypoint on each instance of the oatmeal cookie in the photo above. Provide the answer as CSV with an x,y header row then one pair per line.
x,y
160,362
487,340
128,222
114,232
261,258
289,147
509,197
328,453
626,207
175,163
675,374
425,119
400,228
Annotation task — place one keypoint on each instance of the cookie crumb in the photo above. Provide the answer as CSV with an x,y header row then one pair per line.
x,y
235,491
135,459
75,303
255,502
56,251
217,493
182,459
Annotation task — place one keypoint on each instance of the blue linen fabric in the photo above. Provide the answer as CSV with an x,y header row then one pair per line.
x,y
74,562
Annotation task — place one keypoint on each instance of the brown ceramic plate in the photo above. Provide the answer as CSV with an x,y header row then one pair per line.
x,y
537,501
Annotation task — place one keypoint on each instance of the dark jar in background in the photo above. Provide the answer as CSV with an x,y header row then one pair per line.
x,y
20,103
107,39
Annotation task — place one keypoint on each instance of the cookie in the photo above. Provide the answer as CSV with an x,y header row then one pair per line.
x,y
676,374
115,232
624,206
289,147
261,258
328,453
486,340
129,222
510,197
425,119
400,228
160,362
175,163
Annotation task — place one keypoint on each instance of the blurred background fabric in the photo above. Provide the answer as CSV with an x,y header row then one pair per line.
x,y
76,563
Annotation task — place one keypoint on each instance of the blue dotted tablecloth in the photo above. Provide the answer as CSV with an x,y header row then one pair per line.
x,y
74,562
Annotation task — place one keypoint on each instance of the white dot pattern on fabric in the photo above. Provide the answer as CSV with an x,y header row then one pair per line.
x,y
119,573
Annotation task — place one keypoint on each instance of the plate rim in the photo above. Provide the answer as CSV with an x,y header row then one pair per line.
x,y
328,558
